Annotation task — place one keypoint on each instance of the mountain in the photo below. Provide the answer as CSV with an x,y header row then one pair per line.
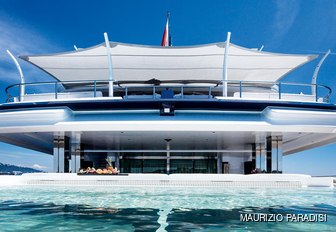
x,y
9,169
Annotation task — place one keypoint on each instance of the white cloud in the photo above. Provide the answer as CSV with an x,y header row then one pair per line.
x,y
9,155
284,18
41,167
20,38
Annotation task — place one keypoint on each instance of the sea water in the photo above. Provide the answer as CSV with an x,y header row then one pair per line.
x,y
73,208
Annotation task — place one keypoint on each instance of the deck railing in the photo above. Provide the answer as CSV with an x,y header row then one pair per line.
x,y
256,90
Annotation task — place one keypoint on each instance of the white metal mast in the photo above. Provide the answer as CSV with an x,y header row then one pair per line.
x,y
109,57
22,86
225,64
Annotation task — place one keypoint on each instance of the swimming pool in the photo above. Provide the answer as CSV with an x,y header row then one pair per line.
x,y
141,208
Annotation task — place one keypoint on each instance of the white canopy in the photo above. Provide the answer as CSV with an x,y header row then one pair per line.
x,y
142,63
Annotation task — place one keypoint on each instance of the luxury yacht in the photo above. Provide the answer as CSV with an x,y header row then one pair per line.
x,y
214,108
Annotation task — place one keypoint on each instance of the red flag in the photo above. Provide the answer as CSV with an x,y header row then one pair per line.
x,y
166,35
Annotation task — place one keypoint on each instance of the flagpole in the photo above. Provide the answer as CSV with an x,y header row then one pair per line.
x,y
169,37
168,20
166,33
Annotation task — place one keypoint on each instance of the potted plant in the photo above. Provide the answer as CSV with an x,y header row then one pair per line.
x,y
109,163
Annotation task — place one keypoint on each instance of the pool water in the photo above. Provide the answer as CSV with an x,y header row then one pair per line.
x,y
47,208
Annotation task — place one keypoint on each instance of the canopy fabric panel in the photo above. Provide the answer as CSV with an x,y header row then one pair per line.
x,y
142,63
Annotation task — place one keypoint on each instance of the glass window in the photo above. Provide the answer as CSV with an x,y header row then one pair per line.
x,y
154,166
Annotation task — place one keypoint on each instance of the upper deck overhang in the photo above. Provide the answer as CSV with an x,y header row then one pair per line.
x,y
196,124
107,104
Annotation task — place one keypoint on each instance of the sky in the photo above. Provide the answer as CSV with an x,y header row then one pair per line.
x,y
285,26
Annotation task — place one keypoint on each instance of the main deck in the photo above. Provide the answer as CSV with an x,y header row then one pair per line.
x,y
188,129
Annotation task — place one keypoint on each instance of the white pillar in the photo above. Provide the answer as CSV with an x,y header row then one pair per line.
x,y
117,164
316,71
168,155
260,157
22,86
55,155
279,155
225,64
75,141
219,163
109,57
274,153
59,153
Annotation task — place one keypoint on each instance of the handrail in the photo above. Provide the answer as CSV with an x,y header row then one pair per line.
x,y
212,91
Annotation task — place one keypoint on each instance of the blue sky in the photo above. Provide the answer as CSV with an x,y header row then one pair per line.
x,y
39,26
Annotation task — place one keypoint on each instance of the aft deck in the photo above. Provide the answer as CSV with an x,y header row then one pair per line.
x,y
236,90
